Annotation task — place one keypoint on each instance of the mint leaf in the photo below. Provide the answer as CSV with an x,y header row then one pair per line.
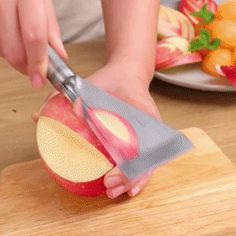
x,y
196,45
204,42
205,37
204,14
215,44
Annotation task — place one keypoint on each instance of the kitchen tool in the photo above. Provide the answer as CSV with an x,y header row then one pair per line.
x,y
193,195
158,143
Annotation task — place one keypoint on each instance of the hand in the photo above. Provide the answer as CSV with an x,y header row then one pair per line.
x,y
26,29
131,87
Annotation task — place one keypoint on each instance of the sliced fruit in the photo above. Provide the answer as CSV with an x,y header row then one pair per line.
x,y
174,23
221,57
116,132
234,57
230,73
189,6
166,54
227,10
225,30
173,51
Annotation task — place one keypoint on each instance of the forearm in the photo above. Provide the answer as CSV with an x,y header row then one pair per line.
x,y
131,32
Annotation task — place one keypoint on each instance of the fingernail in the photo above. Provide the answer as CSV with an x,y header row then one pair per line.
x,y
112,181
115,192
135,191
63,50
37,81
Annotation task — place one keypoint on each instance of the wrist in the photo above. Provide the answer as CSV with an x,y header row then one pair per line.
x,y
119,78
133,72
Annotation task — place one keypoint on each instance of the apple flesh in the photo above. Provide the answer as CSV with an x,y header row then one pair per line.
x,y
117,133
72,153
174,23
173,51
189,6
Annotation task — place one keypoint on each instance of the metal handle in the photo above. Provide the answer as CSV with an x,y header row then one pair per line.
x,y
58,71
61,75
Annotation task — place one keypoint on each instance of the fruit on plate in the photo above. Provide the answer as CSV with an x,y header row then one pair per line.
x,y
225,30
219,57
174,23
71,152
230,73
189,6
227,10
234,56
173,51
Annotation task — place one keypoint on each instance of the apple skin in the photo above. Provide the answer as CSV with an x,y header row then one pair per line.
x,y
184,60
173,51
189,6
59,108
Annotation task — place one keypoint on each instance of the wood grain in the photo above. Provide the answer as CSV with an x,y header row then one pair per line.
x,y
194,195
181,108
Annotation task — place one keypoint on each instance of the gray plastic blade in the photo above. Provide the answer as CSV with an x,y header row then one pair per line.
x,y
158,143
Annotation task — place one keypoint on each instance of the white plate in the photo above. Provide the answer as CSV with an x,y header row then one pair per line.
x,y
191,76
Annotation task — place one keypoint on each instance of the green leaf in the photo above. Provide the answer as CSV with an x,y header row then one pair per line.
x,y
215,44
205,14
205,37
204,42
196,45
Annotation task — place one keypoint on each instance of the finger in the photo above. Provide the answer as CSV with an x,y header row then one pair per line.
x,y
131,187
54,35
114,178
136,189
12,48
33,25
117,183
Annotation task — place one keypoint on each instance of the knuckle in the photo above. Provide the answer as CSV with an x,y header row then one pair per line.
x,y
34,37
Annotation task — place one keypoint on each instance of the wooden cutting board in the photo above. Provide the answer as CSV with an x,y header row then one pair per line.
x,y
194,195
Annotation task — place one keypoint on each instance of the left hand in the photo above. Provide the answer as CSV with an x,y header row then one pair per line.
x,y
132,88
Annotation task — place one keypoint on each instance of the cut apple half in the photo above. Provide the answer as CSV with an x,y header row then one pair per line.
x,y
68,153
117,132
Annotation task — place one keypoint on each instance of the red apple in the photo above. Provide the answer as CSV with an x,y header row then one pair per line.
x,y
189,6
73,155
174,23
173,51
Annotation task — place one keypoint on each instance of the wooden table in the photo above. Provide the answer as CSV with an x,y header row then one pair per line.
x,y
215,113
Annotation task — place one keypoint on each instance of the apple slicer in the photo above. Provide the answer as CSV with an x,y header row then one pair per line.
x,y
152,144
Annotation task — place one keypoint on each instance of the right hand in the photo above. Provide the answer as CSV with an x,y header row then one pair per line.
x,y
26,29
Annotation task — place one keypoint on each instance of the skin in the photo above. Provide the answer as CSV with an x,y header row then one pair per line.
x,y
27,27
131,27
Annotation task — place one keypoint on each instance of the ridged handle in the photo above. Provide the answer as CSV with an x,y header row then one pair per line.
x,y
61,75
